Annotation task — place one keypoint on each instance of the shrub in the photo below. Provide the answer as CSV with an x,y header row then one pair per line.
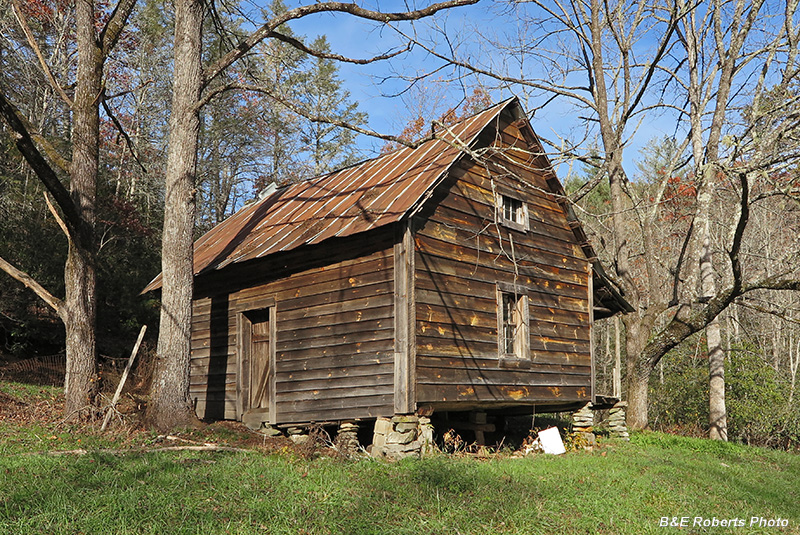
x,y
757,401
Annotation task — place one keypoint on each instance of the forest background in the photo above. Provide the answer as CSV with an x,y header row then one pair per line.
x,y
698,224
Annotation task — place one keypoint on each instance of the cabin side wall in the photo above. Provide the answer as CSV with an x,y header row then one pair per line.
x,y
461,263
334,336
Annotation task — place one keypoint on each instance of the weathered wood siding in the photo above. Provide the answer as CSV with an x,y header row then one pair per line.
x,y
459,261
334,337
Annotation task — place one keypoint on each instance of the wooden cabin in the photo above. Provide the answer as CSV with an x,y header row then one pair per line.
x,y
448,277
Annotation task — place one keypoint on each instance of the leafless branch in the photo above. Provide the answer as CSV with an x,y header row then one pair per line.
x,y
738,235
129,91
25,145
34,45
121,130
305,113
57,217
214,70
771,311
299,45
54,302
116,23
550,88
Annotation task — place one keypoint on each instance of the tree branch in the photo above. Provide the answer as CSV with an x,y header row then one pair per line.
x,y
116,23
651,69
299,45
121,130
25,145
54,302
31,41
267,29
678,329
57,217
564,91
49,150
302,112
771,311
738,234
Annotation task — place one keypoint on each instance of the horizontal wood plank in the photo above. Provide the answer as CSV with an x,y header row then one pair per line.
x,y
545,281
468,393
366,354
298,384
445,285
549,275
558,363
335,394
357,370
445,376
326,408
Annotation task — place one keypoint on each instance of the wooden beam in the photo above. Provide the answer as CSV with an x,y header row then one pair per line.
x,y
124,378
273,364
404,322
591,324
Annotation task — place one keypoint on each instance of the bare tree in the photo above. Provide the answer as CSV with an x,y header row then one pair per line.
x,y
78,309
720,44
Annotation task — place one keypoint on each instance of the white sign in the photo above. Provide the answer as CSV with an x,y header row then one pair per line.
x,y
550,440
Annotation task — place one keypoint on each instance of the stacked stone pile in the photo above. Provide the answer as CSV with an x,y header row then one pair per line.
x,y
427,445
402,436
347,439
616,421
583,424
583,420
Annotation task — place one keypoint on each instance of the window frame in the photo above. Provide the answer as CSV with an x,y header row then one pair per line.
x,y
521,212
521,343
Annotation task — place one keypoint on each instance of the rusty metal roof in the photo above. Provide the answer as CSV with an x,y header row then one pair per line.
x,y
365,196
355,199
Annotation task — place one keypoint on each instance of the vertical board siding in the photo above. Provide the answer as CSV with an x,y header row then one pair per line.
x,y
334,342
461,255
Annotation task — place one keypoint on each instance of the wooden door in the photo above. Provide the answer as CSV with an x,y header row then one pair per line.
x,y
256,365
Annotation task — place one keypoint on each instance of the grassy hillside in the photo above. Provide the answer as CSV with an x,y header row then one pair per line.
x,y
619,488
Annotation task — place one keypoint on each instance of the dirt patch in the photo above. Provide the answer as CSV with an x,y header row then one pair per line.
x,y
24,406
23,412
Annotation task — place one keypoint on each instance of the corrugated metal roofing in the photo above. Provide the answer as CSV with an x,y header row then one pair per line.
x,y
356,199
365,196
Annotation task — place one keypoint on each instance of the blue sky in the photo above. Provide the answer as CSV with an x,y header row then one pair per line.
x,y
370,84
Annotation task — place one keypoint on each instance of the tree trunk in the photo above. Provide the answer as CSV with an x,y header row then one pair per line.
x,y
170,405
81,385
717,415
638,374
80,278
637,415
617,361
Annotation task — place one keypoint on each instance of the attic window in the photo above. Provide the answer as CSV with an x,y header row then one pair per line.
x,y
513,212
513,323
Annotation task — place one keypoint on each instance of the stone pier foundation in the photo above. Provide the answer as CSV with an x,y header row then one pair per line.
x,y
583,424
402,436
347,439
617,426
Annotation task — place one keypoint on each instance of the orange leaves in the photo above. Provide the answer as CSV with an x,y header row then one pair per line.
x,y
415,129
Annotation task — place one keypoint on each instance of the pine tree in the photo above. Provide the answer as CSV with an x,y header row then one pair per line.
x,y
328,147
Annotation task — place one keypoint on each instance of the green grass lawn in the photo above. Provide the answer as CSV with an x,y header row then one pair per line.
x,y
617,488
